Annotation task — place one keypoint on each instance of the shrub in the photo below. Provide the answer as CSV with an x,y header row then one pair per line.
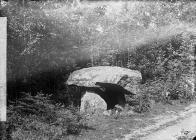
x,y
143,101
185,135
35,117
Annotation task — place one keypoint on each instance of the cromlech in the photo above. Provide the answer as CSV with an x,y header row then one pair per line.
x,y
110,83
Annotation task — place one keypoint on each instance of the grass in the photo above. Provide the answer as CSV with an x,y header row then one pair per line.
x,y
38,118
111,128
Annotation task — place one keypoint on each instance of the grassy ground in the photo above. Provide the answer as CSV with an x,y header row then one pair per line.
x,y
110,128
37,117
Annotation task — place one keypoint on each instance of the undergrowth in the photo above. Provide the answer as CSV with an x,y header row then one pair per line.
x,y
36,117
186,135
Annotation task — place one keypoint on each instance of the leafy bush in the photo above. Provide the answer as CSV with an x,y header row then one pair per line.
x,y
35,117
185,135
167,67
167,70
143,101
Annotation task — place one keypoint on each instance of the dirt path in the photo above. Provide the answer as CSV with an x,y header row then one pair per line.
x,y
167,127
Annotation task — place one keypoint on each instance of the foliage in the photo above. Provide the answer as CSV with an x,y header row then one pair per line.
x,y
46,43
185,135
143,101
167,71
36,117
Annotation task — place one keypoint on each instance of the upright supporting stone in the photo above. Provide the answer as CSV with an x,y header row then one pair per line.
x,y
92,103
3,44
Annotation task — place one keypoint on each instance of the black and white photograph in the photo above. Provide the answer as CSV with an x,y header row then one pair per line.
x,y
97,70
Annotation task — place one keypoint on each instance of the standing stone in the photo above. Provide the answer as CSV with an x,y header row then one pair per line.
x,y
92,102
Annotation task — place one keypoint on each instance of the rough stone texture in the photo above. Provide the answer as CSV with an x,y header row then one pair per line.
x,y
91,103
105,86
106,74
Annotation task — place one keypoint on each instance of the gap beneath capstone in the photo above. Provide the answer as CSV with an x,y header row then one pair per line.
x,y
104,98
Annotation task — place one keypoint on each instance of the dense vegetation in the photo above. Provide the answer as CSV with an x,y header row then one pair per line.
x,y
49,40
45,46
